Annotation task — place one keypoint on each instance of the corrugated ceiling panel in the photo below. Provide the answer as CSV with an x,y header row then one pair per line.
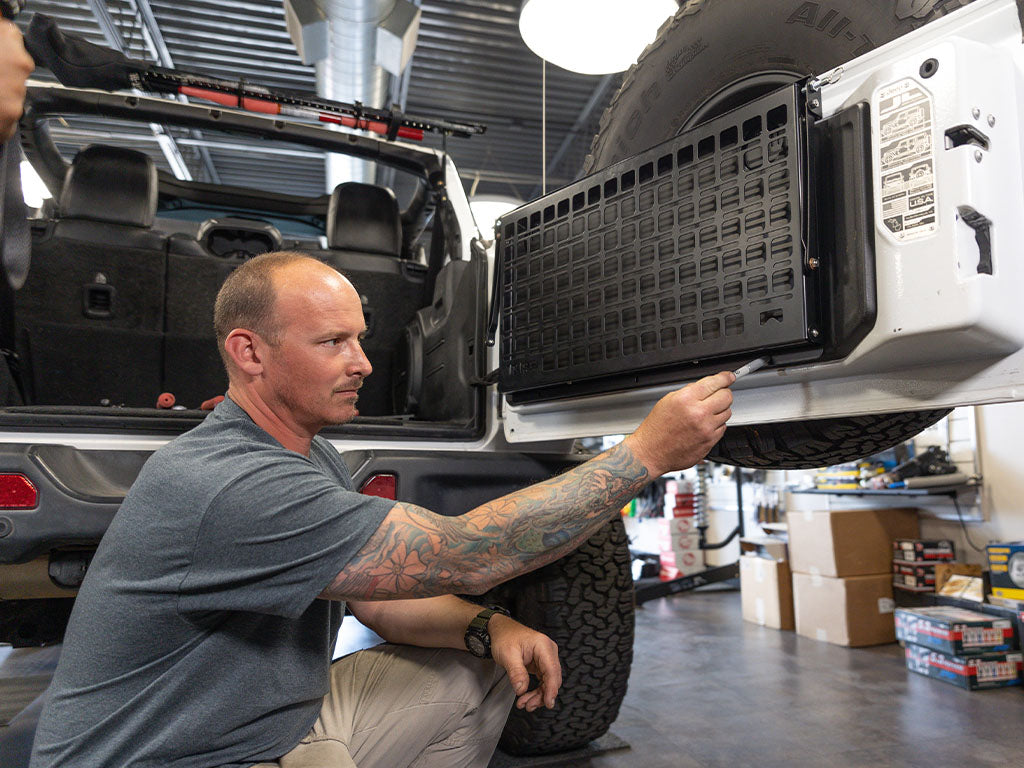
x,y
470,64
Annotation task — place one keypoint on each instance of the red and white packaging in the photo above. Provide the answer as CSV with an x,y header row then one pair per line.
x,y
679,543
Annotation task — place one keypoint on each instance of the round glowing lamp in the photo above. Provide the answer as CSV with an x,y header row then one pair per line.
x,y
592,37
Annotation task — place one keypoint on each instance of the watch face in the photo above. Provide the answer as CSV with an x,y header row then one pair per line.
x,y
475,645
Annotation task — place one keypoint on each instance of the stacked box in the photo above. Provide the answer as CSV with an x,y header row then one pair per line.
x,y
842,572
914,577
956,631
920,551
679,542
996,670
966,648
766,591
1006,568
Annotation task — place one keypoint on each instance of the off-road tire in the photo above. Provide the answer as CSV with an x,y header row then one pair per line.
x,y
714,55
819,442
584,602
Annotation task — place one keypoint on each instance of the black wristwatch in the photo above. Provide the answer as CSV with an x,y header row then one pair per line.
x,y
478,639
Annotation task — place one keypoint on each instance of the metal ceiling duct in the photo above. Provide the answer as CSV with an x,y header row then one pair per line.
x,y
349,71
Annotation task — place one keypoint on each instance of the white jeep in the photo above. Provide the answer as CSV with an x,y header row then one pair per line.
x,y
729,216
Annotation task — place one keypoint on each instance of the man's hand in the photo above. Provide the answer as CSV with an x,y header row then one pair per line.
x,y
684,425
15,67
522,652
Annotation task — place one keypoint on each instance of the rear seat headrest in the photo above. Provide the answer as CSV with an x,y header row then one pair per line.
x,y
110,184
364,217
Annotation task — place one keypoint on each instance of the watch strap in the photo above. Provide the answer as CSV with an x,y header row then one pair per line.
x,y
477,630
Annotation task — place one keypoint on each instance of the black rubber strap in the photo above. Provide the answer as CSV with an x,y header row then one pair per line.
x,y
15,242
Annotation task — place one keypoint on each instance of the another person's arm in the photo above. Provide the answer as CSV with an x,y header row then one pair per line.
x,y
15,67
440,622
417,553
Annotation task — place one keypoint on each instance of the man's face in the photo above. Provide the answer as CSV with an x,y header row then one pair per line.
x,y
317,364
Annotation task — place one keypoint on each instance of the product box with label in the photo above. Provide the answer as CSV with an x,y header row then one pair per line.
x,y
1006,567
956,631
847,543
679,542
679,562
766,592
972,672
853,611
920,551
914,577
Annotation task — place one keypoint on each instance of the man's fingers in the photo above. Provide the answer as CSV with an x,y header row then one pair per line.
x,y
546,660
709,385
719,402
530,701
517,675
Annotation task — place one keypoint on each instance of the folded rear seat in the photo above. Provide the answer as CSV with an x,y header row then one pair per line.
x,y
196,269
89,318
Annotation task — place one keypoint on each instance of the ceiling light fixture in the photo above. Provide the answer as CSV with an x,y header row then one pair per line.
x,y
487,209
592,37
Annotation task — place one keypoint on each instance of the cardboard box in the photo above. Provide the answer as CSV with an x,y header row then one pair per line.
x,y
766,592
765,546
956,631
944,570
853,611
916,577
921,551
676,563
847,543
1006,567
965,588
973,673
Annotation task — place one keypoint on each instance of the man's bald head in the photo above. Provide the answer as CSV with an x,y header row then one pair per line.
x,y
247,298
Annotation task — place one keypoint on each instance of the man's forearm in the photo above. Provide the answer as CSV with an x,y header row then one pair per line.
x,y
432,622
417,553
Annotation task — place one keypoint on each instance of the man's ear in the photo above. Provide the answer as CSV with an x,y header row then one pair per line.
x,y
242,347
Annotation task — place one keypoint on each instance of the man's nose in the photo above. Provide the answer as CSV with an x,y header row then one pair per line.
x,y
360,364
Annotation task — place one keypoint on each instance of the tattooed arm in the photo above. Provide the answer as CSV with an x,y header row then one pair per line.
x,y
418,553
15,67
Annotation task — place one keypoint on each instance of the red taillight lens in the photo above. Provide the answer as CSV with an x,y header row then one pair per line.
x,y
17,492
385,486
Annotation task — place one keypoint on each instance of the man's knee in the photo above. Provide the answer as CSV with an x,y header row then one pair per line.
x,y
477,680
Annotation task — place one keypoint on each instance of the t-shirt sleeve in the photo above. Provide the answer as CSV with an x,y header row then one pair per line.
x,y
274,538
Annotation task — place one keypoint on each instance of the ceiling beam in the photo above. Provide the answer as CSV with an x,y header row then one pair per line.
x,y
158,48
113,36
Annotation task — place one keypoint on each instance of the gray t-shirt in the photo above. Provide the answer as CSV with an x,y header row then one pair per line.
x,y
197,638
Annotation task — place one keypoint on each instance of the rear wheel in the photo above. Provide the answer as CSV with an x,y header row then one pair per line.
x,y
714,55
584,602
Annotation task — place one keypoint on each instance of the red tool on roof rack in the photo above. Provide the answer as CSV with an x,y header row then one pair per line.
x,y
78,63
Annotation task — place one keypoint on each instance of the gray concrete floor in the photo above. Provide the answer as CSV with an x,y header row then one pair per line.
x,y
709,689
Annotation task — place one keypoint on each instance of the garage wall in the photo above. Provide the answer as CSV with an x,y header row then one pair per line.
x,y
1001,449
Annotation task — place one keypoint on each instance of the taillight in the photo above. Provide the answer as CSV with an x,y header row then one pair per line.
x,y
383,485
17,492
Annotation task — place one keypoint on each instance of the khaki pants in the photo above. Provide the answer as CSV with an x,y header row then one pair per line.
x,y
394,706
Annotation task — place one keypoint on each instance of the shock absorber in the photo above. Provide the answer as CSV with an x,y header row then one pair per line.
x,y
700,500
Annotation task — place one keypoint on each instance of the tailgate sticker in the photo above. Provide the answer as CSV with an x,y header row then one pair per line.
x,y
906,160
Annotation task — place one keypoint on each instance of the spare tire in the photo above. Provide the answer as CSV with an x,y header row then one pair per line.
x,y
712,56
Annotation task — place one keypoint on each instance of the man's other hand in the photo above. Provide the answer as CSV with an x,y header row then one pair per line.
x,y
15,67
684,425
523,652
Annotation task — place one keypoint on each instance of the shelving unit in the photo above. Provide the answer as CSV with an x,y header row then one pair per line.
x,y
940,490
